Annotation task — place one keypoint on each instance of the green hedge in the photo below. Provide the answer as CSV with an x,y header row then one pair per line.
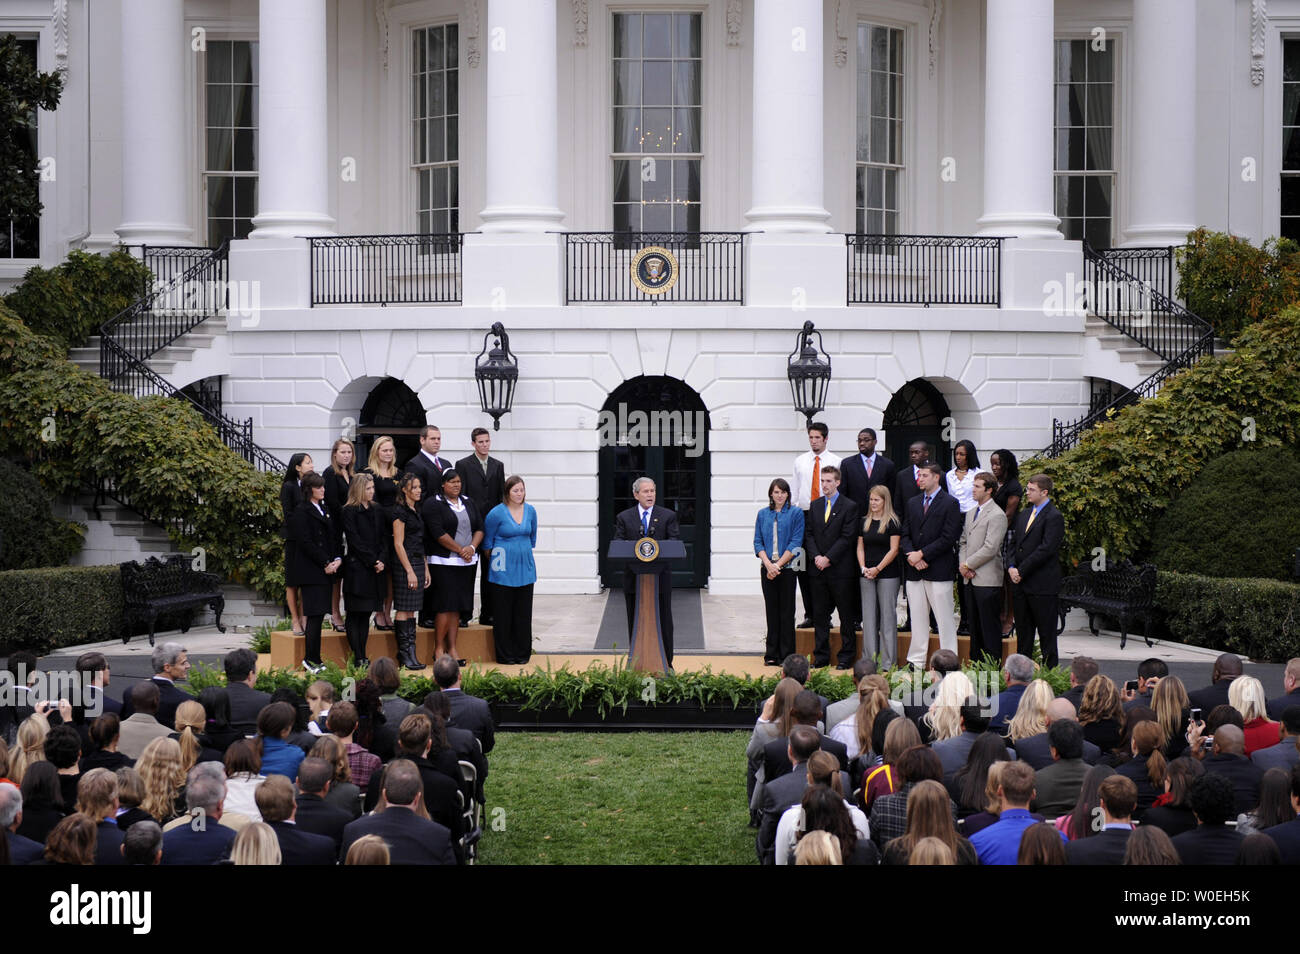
x,y
53,607
69,302
1231,283
72,428
1114,486
1256,618
31,536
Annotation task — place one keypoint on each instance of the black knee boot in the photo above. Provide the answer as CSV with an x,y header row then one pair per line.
x,y
358,629
406,645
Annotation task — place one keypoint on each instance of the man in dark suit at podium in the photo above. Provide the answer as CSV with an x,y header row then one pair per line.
x,y
659,523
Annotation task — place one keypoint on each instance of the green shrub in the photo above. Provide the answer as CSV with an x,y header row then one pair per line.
x,y
1115,484
1231,283
70,301
160,452
47,608
1256,618
30,536
1232,521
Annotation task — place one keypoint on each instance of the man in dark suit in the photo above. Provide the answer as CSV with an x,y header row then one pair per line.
x,y
1229,760
411,839
1286,835
1118,796
22,851
659,523
1286,754
1018,671
1057,785
92,668
467,712
462,741
171,665
1211,842
245,701
1082,668
931,530
830,545
442,785
1036,750
483,480
858,474
1035,569
1150,672
313,813
428,465
805,711
1291,690
1227,667
785,791
201,839
276,804
905,485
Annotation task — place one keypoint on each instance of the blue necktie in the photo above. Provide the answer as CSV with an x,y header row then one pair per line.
x,y
645,522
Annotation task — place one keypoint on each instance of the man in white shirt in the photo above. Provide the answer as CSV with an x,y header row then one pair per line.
x,y
805,487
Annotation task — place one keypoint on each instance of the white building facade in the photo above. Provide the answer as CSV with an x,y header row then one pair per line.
x,y
750,137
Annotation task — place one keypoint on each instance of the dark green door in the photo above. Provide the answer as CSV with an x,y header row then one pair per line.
x,y
917,412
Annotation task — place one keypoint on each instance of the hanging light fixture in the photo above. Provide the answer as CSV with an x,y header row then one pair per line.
x,y
809,373
496,372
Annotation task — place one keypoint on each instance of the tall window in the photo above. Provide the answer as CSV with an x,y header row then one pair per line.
x,y
1085,140
230,153
1290,225
880,129
435,129
21,237
657,148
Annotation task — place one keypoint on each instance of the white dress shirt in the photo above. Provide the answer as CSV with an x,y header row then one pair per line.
x,y
963,490
801,485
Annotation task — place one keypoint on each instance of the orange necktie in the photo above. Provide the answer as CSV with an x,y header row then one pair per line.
x,y
817,477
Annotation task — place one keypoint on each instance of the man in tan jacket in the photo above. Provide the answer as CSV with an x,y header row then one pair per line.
x,y
980,559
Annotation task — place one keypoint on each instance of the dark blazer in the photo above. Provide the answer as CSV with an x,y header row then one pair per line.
x,y
315,545
169,699
430,474
465,746
486,492
411,839
663,525
291,497
101,758
1036,751
315,815
1036,551
106,702
366,532
299,847
1170,819
1008,702
1287,836
1075,695
185,846
836,538
1057,787
1244,775
108,843
439,518
935,534
1279,705
1104,848
1209,698
1209,845
776,756
1284,755
905,488
778,795
245,704
336,495
856,485
23,851
472,713
37,823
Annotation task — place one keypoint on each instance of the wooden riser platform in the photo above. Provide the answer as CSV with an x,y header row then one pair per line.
x,y
805,642
473,642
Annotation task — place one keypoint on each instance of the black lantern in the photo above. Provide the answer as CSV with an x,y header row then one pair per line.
x,y
496,372
810,373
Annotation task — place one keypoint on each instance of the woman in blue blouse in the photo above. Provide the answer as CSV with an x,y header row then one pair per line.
x,y
509,535
778,536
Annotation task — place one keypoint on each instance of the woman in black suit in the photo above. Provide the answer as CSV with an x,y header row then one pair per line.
x,y
290,499
365,579
338,482
453,530
383,467
315,562
410,576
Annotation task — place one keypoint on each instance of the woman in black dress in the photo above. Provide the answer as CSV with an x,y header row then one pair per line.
x,y
383,467
410,576
315,563
1007,473
366,576
290,499
338,481
453,530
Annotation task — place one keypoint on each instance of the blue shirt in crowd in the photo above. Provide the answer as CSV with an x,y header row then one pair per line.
x,y
999,844
281,758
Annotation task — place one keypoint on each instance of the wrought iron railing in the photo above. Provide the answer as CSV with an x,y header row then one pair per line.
x,y
167,262
386,269
1137,301
924,270
1153,265
598,267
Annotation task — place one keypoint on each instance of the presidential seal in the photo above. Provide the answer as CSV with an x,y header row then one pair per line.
x,y
654,270
647,549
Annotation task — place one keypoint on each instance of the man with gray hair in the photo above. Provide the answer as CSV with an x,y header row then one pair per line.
x,y
142,844
1018,671
659,523
171,665
22,851
200,838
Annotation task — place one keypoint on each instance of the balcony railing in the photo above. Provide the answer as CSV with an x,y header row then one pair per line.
x,y
598,267
386,269
924,270
1126,292
1154,266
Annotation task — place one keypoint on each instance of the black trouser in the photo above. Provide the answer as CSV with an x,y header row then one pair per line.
x,y
311,650
778,598
357,625
1035,613
985,620
427,612
665,608
512,624
833,592
487,591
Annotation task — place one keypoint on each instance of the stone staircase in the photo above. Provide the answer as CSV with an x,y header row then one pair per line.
x,y
1144,361
166,360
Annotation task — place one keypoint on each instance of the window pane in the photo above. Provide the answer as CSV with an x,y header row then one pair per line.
x,y
875,222
1291,195
1097,231
627,174
1099,64
220,108
879,94
218,59
245,97
453,92
246,150
435,49
436,140
627,218
686,179
422,177
860,192
896,52
879,140
686,218
439,188
1099,143
422,223
657,218
656,182
245,194
657,134
418,45
627,133
686,34
657,83
419,97
686,84
896,97
1291,104
1100,98
419,141
1061,196
1072,228
453,186
627,82
686,131
220,150
891,188
658,35
875,188
627,34
1096,196
437,101
221,196
453,138
451,52
891,223
242,64
879,48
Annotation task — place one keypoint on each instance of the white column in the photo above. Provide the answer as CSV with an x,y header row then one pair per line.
x,y
1018,56
522,184
787,117
1164,123
293,162
154,51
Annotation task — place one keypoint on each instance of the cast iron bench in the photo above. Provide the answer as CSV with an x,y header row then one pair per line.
x,y
1122,591
156,587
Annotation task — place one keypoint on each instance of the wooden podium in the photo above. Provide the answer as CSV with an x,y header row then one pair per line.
x,y
646,651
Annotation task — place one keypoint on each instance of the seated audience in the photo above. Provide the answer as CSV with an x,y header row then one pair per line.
x,y
1211,842
245,701
823,769
103,734
368,850
1228,758
1124,751
411,839
1147,766
342,794
1287,836
97,800
1082,668
1259,849
900,736
1150,846
279,755
1172,711
143,844
929,815
63,751
1172,811
387,676
277,807
320,696
469,712
787,790
202,838
21,850
1030,718
889,812
130,795
1246,695
1037,749
1058,784
43,806
824,809
942,720
72,842
999,843
819,848
218,731
442,799
954,751
931,851
1290,690
243,767
164,780
1150,672
1274,803
1227,667
1018,671
256,844
1286,753
1101,713
1118,798
362,764
314,813
462,742
1041,844
806,711
971,788
1079,822
142,726
855,730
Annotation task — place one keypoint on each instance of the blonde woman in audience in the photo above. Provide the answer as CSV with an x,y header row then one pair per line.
x,y
255,844
944,716
368,850
164,780
931,851
29,746
191,719
855,731
818,848
1246,695
1173,709
1031,714
130,793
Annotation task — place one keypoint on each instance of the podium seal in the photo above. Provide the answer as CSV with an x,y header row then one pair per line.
x,y
647,549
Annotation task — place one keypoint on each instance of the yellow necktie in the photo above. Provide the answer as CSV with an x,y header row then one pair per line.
x,y
827,518
1032,515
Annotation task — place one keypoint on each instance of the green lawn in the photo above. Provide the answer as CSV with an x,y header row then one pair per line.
x,y
617,798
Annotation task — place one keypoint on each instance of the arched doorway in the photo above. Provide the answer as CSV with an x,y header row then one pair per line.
x,y
916,413
656,427
393,409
